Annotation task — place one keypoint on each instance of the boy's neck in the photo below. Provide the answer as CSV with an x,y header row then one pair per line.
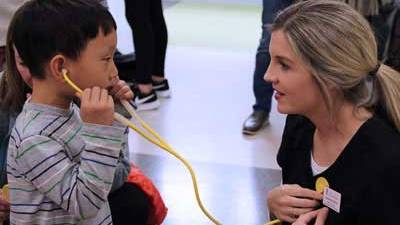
x,y
47,94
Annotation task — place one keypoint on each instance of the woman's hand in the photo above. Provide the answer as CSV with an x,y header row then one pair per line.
x,y
288,202
319,215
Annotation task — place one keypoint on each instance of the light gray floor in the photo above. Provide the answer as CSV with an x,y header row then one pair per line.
x,y
210,62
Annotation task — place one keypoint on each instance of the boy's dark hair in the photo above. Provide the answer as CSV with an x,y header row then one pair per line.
x,y
41,29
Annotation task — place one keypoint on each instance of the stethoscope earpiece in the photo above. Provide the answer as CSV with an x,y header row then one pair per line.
x,y
64,71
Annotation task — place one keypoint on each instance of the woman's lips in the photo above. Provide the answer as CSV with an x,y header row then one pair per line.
x,y
278,95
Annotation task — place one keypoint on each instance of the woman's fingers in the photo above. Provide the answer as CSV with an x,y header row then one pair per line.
x,y
319,215
300,211
322,215
297,191
301,202
306,218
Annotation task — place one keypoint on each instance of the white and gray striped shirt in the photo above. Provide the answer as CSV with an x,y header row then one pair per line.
x,y
61,170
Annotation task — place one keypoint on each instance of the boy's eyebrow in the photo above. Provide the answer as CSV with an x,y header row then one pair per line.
x,y
107,50
111,48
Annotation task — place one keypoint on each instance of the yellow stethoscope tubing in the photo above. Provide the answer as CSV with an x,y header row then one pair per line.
x,y
160,142
273,222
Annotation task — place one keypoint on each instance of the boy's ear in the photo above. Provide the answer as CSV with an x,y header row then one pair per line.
x,y
57,64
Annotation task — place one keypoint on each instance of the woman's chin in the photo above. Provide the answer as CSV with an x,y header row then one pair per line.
x,y
284,110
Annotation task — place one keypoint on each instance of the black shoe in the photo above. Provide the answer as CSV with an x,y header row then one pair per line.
x,y
162,88
124,61
257,120
145,101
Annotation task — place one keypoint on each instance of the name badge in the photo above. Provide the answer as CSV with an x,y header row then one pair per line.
x,y
332,199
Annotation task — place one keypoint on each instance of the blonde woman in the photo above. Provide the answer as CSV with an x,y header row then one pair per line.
x,y
344,121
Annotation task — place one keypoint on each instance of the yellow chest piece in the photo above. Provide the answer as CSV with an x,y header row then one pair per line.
x,y
321,184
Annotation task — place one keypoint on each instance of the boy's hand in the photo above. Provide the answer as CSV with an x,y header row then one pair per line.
x,y
97,106
121,91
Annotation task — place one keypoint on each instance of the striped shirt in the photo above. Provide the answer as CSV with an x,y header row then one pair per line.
x,y
61,170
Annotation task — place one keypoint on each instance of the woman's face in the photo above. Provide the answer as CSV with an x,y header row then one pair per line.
x,y
296,92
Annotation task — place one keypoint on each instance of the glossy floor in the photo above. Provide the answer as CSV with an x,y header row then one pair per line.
x,y
210,61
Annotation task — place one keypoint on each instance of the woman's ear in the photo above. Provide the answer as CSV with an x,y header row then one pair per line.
x,y
56,67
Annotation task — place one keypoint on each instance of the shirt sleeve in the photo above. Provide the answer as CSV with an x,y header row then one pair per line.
x,y
79,188
123,166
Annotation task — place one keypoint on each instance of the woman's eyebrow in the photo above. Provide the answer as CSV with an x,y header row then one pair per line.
x,y
283,58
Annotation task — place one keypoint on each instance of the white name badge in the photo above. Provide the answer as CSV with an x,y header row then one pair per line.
x,y
332,199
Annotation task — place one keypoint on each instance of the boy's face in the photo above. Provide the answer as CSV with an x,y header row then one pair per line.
x,y
95,66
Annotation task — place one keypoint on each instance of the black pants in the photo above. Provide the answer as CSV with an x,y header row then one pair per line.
x,y
129,205
146,19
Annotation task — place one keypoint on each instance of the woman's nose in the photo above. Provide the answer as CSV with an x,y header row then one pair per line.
x,y
268,76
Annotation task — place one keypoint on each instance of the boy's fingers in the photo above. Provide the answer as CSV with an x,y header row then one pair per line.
x,y
128,96
95,94
85,96
110,100
116,87
104,96
124,93
78,94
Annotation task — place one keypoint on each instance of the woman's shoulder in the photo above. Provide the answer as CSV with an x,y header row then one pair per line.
x,y
297,128
379,139
297,137
382,150
378,132
293,121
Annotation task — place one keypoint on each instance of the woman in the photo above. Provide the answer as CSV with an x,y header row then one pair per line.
x,y
345,116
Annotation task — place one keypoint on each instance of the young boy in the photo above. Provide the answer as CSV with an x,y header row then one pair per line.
x,y
62,162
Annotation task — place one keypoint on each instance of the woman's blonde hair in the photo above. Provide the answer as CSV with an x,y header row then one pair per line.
x,y
338,46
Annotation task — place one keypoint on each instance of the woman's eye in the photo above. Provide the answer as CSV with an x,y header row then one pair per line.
x,y
284,66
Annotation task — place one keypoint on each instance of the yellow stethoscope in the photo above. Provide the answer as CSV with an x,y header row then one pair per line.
x,y
159,141
320,184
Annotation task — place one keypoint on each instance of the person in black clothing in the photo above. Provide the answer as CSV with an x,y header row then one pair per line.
x,y
146,19
344,117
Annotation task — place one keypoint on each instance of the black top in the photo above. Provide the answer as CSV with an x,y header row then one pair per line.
x,y
366,173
